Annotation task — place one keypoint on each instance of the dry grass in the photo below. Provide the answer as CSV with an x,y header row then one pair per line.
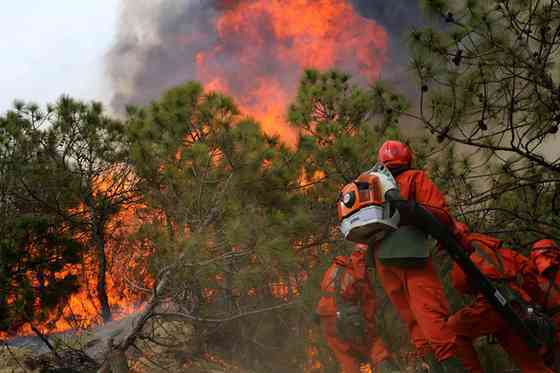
x,y
11,359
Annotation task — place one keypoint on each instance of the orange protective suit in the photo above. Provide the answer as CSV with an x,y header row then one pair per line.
x,y
546,259
355,287
545,255
550,286
417,292
480,318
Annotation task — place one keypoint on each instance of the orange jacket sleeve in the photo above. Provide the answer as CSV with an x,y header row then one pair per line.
x,y
429,196
416,185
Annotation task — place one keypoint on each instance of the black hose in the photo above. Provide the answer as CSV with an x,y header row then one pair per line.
x,y
425,221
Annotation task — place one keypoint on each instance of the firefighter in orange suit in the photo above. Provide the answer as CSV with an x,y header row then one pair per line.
x,y
346,289
512,270
545,256
405,269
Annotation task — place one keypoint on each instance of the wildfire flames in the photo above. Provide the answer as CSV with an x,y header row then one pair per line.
x,y
262,46
252,50
256,53
82,309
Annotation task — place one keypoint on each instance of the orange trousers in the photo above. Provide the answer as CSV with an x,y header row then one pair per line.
x,y
350,355
481,319
555,355
556,320
419,298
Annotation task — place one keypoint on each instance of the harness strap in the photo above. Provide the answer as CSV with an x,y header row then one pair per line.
x,y
336,282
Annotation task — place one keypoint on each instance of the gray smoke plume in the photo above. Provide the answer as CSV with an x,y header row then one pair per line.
x,y
396,16
399,18
158,40
146,59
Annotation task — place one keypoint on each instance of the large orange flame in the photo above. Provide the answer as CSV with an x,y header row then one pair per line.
x,y
264,45
125,257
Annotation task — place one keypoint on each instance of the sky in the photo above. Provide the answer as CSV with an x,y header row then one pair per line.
x,y
54,47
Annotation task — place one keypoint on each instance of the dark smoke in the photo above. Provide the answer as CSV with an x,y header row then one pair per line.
x,y
399,18
149,55
146,59
396,16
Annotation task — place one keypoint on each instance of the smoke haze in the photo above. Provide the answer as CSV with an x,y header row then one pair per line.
x,y
252,49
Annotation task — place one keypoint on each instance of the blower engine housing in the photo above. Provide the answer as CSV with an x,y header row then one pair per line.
x,y
362,209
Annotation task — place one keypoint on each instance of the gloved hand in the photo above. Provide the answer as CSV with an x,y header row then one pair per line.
x,y
405,207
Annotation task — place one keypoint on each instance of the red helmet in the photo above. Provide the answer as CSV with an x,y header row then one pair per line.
x,y
394,154
545,255
545,244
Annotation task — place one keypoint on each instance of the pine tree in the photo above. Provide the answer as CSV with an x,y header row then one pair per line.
x,y
36,248
341,126
75,169
488,82
34,253
219,220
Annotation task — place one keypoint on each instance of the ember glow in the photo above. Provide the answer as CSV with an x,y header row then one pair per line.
x,y
253,50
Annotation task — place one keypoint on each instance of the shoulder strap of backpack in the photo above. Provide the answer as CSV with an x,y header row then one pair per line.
x,y
335,282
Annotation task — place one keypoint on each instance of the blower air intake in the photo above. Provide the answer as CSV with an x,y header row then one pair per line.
x,y
362,209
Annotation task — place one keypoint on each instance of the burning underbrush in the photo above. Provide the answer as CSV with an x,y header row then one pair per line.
x,y
125,283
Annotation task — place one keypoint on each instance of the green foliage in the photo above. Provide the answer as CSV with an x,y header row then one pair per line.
x,y
68,162
33,256
246,222
341,125
220,186
245,225
35,247
489,84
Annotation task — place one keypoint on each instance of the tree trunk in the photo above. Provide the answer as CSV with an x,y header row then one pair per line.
x,y
99,239
118,362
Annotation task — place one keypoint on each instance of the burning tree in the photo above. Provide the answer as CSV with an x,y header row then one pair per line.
x,y
223,43
89,145
220,223
36,248
489,85
75,170
34,253
237,222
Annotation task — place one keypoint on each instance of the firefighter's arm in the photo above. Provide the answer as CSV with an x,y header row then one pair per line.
x,y
429,196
